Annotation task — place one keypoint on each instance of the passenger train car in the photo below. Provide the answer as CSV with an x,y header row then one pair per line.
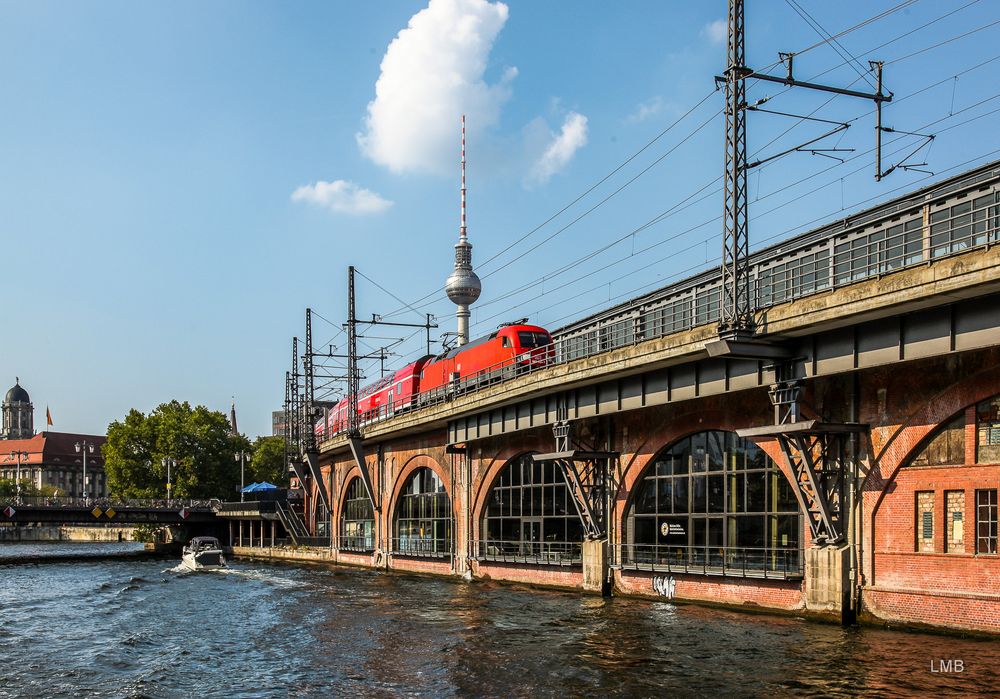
x,y
509,351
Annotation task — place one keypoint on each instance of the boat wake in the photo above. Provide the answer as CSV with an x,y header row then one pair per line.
x,y
262,576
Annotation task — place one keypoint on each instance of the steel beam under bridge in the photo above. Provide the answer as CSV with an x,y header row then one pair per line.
x,y
922,333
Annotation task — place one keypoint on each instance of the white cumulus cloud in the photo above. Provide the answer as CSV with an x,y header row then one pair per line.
x,y
432,73
342,196
717,32
561,149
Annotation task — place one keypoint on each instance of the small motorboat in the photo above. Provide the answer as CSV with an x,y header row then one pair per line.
x,y
203,553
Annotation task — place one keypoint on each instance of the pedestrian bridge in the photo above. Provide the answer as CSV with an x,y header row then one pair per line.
x,y
77,510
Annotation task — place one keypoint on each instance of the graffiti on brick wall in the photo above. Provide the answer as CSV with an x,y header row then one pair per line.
x,y
664,586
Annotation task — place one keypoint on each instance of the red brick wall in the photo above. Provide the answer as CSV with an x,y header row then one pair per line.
x,y
958,588
555,576
903,404
744,592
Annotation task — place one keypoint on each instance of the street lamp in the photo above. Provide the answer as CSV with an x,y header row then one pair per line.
x,y
242,457
17,456
82,448
168,463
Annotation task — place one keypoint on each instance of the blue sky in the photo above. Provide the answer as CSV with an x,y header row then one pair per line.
x,y
181,180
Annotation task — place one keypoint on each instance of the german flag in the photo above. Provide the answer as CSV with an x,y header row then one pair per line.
x,y
48,416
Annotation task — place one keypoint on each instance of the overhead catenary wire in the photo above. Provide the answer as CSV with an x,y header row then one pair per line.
x,y
440,297
695,268
908,33
778,191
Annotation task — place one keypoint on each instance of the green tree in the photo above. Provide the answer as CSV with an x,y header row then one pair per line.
x,y
8,488
198,438
268,463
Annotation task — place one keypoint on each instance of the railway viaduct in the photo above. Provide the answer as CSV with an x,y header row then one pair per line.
x,y
844,461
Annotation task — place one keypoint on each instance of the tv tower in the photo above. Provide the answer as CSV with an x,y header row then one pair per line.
x,y
463,286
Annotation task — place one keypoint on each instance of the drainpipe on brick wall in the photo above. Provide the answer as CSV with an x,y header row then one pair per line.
x,y
469,524
857,502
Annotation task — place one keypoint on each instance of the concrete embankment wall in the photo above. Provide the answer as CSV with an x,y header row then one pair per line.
x,y
66,533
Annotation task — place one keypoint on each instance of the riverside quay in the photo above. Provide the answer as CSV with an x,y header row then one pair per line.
x,y
841,460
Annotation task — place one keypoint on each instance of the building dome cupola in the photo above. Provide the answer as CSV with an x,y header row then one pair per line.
x,y
18,414
17,394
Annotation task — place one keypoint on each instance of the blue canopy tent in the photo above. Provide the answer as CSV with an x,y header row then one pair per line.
x,y
258,487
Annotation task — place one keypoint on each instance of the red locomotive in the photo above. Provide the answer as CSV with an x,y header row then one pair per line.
x,y
509,351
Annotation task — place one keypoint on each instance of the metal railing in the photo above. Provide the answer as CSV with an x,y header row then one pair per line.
x,y
255,506
421,547
885,239
106,502
557,553
744,562
290,520
356,544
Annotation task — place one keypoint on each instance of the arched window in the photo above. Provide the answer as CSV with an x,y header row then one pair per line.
x,y
529,516
423,517
357,522
713,503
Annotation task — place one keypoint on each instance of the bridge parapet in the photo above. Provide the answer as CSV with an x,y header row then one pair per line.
x,y
105,503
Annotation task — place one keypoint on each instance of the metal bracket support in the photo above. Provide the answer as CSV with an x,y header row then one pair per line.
x,y
312,461
817,454
358,452
588,475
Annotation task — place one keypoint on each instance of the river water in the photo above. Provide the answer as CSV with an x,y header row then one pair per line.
x,y
146,628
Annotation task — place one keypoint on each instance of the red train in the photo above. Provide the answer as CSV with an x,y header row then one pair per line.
x,y
510,350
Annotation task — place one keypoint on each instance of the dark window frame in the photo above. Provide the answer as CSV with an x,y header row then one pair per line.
x,y
356,516
703,500
528,506
423,523
986,521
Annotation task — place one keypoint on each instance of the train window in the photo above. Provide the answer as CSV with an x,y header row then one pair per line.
x,y
532,339
506,341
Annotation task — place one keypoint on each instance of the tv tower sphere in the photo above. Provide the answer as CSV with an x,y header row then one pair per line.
x,y
463,286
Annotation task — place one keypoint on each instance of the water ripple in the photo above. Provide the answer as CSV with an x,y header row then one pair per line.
x,y
140,628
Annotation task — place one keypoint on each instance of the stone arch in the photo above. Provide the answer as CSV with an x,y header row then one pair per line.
x,y
485,485
759,529
352,473
674,429
482,487
409,468
412,464
901,445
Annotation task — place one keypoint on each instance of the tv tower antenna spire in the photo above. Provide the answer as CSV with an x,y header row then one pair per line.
x,y
463,286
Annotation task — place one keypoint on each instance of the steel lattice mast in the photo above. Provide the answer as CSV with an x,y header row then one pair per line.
x,y
736,311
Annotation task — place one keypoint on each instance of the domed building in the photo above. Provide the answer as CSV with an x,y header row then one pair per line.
x,y
51,462
18,414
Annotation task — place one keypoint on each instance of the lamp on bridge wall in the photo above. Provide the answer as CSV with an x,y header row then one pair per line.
x,y
242,457
17,456
168,463
82,448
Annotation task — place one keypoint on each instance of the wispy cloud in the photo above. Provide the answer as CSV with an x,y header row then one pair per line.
x,y
645,110
561,149
432,73
341,196
716,31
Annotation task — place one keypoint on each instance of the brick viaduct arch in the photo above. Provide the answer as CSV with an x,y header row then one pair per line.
x,y
896,446
412,464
